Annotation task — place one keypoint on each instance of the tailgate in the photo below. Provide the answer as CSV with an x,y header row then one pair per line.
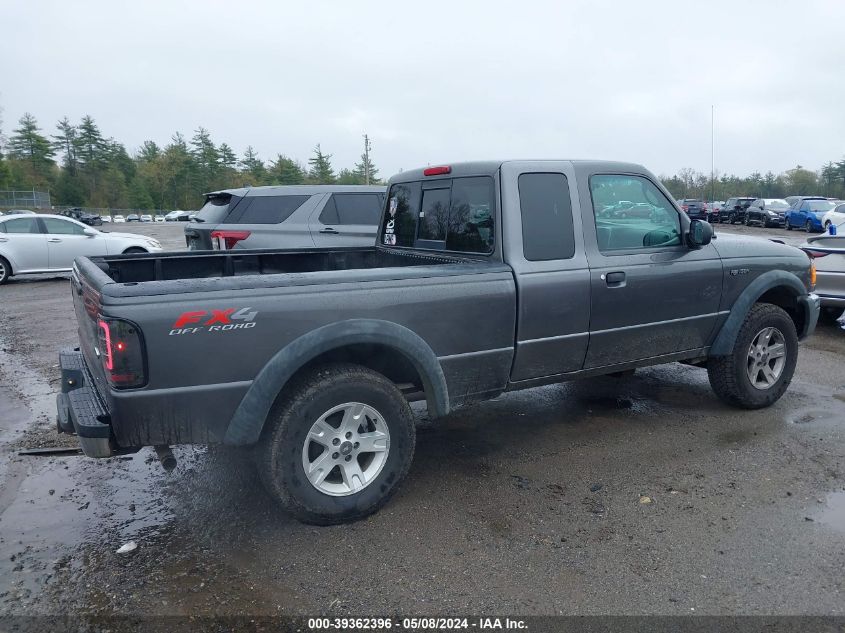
x,y
86,305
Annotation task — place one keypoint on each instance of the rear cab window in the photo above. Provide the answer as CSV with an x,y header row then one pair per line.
x,y
448,214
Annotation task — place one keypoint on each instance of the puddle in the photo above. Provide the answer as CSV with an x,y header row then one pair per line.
x,y
813,415
834,512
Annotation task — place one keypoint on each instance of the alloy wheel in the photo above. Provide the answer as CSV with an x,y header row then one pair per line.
x,y
766,358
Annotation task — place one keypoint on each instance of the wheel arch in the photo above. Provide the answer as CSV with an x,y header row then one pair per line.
x,y
777,287
383,346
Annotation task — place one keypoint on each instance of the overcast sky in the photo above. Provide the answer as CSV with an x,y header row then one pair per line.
x,y
438,82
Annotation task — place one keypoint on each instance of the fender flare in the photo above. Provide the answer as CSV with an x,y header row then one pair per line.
x,y
248,421
724,343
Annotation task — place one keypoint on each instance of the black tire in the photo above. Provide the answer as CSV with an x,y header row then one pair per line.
x,y
134,249
747,221
728,374
788,225
5,270
808,226
280,450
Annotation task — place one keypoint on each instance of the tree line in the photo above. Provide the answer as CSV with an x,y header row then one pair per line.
x,y
828,181
82,167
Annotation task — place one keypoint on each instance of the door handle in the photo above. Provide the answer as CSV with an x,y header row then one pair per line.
x,y
615,280
54,239
329,231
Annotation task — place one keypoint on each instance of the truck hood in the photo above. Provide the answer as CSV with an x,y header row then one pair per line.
x,y
729,245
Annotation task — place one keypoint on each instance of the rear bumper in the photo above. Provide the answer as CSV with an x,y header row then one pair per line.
x,y
79,408
811,304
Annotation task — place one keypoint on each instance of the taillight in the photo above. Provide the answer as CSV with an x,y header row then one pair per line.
x,y
122,353
226,240
684,207
437,171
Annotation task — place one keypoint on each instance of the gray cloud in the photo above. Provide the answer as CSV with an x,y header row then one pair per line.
x,y
444,82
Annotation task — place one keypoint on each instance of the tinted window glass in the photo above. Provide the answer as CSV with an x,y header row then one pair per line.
x,y
358,208
60,227
329,213
434,215
817,206
214,209
470,227
400,221
2,227
22,225
547,231
265,209
632,213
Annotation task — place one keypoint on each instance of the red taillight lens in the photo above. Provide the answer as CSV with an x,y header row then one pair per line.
x,y
122,353
684,207
816,254
437,171
226,240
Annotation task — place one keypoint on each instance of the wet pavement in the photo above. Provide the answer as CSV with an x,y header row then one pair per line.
x,y
642,494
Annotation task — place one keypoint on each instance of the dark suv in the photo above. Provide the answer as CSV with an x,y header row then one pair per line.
x,y
695,209
91,219
734,210
293,216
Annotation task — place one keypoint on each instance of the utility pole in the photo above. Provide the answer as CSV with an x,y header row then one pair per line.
x,y
367,147
712,153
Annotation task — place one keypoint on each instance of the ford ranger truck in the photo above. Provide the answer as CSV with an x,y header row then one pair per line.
x,y
485,277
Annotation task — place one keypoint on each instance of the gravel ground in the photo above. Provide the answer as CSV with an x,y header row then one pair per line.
x,y
636,495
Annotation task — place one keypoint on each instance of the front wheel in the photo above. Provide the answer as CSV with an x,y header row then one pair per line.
x,y
337,444
808,226
760,368
787,226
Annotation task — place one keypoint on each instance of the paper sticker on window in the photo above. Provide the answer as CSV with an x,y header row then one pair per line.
x,y
390,240
394,206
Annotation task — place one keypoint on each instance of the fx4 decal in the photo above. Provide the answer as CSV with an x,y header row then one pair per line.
x,y
214,321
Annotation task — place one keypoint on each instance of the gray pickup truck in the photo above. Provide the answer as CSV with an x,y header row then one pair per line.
x,y
486,277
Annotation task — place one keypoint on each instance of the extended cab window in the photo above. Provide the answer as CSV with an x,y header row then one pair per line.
x,y
546,209
632,213
265,209
448,214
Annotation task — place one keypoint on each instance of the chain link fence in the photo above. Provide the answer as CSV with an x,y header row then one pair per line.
x,y
25,199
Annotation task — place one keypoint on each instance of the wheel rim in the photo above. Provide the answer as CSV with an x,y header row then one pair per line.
x,y
346,449
766,358
2,270
808,227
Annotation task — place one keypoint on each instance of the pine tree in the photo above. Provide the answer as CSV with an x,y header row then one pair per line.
x,y
321,167
286,171
91,146
66,142
27,143
227,156
360,171
253,167
149,152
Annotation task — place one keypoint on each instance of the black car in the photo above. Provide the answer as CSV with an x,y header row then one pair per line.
x,y
766,212
91,219
133,217
695,209
734,210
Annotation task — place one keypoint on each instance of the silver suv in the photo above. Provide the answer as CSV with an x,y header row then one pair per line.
x,y
292,216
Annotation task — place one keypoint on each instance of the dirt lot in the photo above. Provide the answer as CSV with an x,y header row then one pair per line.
x,y
531,503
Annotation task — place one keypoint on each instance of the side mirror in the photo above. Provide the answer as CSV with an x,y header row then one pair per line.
x,y
700,234
89,232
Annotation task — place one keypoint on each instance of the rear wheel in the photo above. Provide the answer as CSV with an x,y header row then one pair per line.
x,y
337,445
5,271
787,225
762,363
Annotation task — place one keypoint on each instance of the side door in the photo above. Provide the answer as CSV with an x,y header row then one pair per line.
x,y
347,219
24,244
66,240
544,244
650,294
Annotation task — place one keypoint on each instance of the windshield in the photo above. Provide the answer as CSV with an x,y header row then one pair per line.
x,y
777,205
819,205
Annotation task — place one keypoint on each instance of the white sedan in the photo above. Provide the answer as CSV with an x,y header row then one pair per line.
x,y
834,216
50,243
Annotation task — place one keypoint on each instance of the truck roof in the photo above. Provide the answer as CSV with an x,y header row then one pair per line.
x,y
490,167
280,190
